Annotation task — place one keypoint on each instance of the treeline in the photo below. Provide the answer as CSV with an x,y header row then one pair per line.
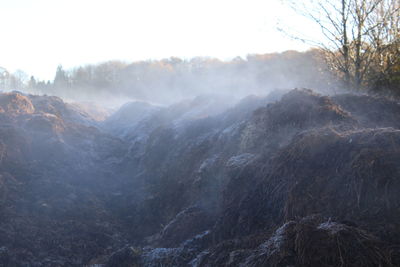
x,y
171,79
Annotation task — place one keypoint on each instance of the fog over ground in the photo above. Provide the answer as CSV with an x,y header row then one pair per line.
x,y
194,133
114,52
170,80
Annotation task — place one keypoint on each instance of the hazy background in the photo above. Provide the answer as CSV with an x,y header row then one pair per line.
x,y
39,35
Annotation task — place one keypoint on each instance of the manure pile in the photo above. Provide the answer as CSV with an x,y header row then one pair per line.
x,y
291,179
314,181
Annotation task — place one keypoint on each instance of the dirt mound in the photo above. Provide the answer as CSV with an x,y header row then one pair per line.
x,y
300,156
185,225
95,111
350,175
125,257
15,104
124,122
371,111
46,123
314,242
51,214
310,241
65,111
306,180
298,110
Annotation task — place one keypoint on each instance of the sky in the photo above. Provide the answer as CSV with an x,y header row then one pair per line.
x,y
39,35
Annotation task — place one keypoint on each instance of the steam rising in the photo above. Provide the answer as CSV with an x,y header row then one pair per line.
x,y
171,80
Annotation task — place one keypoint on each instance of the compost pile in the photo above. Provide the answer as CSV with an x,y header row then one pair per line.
x,y
309,182
50,212
291,179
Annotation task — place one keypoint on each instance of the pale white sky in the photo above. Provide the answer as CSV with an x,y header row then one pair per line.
x,y
38,35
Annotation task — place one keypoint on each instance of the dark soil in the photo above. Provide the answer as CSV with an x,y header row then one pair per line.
x,y
297,180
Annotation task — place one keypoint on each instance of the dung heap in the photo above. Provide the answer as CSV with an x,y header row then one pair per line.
x,y
291,179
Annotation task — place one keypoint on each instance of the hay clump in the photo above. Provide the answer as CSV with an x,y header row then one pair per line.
x,y
313,241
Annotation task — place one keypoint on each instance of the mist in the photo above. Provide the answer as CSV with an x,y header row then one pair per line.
x,y
201,137
168,81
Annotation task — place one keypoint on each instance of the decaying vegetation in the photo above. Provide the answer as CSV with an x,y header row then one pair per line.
x,y
295,178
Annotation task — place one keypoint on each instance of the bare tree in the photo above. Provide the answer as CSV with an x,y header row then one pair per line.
x,y
360,37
